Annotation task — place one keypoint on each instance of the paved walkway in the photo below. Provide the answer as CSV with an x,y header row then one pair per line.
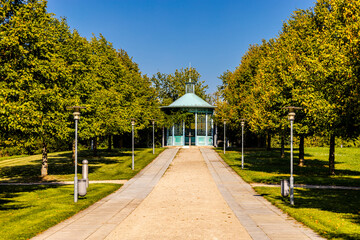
x,y
199,197
261,219
97,221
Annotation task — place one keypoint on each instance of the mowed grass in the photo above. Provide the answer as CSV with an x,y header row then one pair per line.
x,y
335,214
268,167
28,210
108,165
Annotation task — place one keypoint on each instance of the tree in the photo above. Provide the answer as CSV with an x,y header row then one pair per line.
x,y
33,76
170,87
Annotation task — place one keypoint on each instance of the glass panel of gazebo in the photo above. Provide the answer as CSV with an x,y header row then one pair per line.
x,y
209,125
201,124
178,134
169,136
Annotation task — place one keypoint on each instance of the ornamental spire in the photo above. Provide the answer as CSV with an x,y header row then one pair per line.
x,y
190,86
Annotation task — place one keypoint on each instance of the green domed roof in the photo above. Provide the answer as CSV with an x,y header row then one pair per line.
x,y
190,100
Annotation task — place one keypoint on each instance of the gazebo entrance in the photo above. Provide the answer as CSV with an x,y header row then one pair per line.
x,y
190,131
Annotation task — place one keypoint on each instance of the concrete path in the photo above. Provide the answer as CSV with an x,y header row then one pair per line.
x,y
199,197
97,221
261,219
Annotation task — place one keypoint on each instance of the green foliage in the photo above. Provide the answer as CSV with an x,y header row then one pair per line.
x,y
312,64
170,87
45,67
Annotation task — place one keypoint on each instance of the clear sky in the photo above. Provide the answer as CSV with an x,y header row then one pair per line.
x,y
165,35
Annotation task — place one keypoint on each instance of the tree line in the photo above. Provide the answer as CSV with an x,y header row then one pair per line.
x,y
45,67
313,63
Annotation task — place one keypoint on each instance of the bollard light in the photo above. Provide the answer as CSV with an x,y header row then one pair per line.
x,y
76,113
153,123
242,142
132,144
85,171
291,117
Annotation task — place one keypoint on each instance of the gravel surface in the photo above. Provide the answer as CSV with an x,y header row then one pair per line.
x,y
185,204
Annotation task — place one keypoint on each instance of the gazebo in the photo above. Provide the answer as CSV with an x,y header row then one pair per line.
x,y
198,130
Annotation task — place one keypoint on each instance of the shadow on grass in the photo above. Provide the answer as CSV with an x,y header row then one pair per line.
x,y
335,201
9,193
315,171
62,164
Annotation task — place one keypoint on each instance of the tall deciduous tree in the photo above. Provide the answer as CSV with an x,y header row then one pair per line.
x,y
33,73
170,87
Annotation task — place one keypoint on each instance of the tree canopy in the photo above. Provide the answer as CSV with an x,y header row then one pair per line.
x,y
313,64
46,67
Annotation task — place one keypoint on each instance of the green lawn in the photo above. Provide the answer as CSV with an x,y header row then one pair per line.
x,y
109,165
28,210
267,166
335,214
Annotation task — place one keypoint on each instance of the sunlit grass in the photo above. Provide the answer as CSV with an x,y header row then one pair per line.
x,y
27,210
268,167
332,213
108,165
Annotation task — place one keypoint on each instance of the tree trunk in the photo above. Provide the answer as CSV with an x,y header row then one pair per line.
x,y
332,155
44,165
268,146
73,152
95,147
110,142
301,151
259,140
282,146
116,141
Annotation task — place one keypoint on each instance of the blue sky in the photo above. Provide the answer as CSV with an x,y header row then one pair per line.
x,y
165,35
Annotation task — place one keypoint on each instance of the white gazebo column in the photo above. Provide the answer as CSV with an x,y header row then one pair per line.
x,y
195,128
183,133
212,130
206,129
173,137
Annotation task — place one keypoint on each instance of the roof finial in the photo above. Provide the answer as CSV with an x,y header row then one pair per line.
x,y
190,71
